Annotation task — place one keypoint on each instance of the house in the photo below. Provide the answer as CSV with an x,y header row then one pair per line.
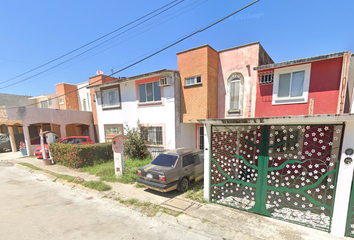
x,y
22,117
151,98
218,84
293,158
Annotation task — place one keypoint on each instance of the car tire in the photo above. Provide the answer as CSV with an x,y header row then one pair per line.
x,y
183,185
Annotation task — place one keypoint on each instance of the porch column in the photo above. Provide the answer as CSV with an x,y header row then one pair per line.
x,y
344,183
63,130
27,139
207,156
12,138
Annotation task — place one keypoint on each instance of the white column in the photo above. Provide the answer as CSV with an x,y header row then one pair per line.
x,y
207,155
63,130
27,140
344,183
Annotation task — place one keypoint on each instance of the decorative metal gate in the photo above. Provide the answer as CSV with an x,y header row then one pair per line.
x,y
287,172
350,220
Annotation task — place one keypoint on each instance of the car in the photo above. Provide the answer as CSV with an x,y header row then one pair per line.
x,y
78,140
173,170
5,145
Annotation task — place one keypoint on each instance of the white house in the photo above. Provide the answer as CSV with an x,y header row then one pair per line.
x,y
153,99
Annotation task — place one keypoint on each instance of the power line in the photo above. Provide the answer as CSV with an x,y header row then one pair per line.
x,y
161,50
87,44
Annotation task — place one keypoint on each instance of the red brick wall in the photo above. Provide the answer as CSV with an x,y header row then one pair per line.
x,y
71,101
199,101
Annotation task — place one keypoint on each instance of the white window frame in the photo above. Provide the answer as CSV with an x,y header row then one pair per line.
x,y
292,100
194,80
233,78
61,101
109,105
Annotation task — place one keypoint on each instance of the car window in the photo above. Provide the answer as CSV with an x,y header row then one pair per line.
x,y
196,159
165,160
188,160
83,139
58,140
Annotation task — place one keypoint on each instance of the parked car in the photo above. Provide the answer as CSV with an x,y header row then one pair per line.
x,y
78,140
5,145
173,170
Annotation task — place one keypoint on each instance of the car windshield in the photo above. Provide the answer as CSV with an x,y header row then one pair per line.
x,y
58,140
165,160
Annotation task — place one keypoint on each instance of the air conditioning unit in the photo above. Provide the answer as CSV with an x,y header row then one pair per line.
x,y
165,81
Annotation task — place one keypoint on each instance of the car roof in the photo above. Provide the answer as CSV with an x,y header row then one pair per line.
x,y
182,151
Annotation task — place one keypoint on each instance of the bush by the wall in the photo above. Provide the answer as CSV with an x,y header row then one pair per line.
x,y
135,145
78,156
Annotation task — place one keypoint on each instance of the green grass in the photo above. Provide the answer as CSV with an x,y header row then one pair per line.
x,y
147,208
31,166
97,185
196,192
62,176
106,170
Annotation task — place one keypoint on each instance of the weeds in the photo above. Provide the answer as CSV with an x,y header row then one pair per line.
x,y
31,166
97,185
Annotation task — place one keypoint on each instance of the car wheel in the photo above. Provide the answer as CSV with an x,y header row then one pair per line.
x,y
183,185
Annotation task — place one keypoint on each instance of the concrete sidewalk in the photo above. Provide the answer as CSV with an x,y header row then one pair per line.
x,y
220,221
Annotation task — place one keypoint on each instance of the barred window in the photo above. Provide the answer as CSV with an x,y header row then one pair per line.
x,y
153,135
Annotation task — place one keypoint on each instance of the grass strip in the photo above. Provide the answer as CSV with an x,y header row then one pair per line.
x,y
97,185
147,208
31,166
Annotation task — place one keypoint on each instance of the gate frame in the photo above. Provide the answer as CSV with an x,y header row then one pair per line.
x,y
345,172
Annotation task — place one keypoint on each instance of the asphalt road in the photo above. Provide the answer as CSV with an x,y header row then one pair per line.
x,y
33,207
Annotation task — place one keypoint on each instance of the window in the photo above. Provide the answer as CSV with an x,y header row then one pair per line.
x,y
84,104
188,160
43,104
110,98
149,92
200,137
234,93
193,80
112,129
61,101
153,135
291,84
266,79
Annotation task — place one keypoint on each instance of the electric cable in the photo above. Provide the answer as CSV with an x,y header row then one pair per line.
x,y
97,39
157,52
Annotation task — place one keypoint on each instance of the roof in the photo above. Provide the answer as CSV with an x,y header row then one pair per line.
x,y
182,151
302,60
207,45
145,75
288,120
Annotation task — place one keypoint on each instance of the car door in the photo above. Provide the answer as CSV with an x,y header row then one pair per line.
x,y
188,166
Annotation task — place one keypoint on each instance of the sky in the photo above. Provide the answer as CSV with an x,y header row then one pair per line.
x,y
34,33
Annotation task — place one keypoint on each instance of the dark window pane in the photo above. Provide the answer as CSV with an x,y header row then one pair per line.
x,y
149,92
157,92
142,94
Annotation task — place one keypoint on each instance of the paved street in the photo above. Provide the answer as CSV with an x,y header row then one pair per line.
x,y
33,207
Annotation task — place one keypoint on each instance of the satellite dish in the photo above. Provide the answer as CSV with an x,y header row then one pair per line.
x,y
99,72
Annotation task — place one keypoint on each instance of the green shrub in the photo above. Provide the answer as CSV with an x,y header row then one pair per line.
x,y
135,145
97,185
78,156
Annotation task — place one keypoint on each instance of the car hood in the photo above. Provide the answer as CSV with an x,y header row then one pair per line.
x,y
155,168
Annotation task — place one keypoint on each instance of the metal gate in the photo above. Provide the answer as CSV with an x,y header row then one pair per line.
x,y
286,172
350,220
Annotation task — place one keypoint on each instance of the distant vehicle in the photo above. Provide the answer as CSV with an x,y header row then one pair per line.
x,y
173,170
78,140
5,145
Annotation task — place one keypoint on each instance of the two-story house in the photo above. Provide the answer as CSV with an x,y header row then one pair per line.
x,y
152,98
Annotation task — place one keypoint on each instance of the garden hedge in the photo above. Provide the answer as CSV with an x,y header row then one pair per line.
x,y
78,156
